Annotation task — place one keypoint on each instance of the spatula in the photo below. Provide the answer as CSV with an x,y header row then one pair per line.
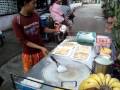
x,y
60,68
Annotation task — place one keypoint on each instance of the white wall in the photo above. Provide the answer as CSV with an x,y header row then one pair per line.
x,y
6,22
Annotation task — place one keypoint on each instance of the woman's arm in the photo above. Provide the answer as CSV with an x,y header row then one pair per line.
x,y
48,30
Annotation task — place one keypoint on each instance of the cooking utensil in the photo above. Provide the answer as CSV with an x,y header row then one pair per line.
x,y
60,68
57,63
73,73
101,64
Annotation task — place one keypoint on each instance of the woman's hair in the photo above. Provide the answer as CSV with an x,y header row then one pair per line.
x,y
52,1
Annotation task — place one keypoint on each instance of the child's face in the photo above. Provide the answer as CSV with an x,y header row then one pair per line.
x,y
31,6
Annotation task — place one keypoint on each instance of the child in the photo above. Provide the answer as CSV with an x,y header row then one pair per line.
x,y
58,15
27,29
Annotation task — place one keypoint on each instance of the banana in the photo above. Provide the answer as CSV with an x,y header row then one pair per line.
x,y
100,80
102,77
92,80
112,80
107,78
91,85
115,85
116,88
95,76
82,85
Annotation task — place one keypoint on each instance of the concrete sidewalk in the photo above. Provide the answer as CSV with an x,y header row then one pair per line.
x,y
88,18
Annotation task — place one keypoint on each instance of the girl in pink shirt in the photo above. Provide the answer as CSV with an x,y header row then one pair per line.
x,y
56,12
58,15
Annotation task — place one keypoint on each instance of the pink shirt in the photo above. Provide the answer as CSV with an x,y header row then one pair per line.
x,y
56,13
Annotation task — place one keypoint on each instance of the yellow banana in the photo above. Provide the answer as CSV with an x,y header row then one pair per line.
x,y
102,77
82,85
107,78
92,80
91,85
116,88
95,76
99,80
112,80
115,85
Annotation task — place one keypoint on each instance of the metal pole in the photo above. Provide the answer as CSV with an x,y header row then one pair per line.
x,y
13,75
13,83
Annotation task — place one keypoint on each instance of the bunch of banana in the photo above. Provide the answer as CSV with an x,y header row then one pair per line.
x,y
100,82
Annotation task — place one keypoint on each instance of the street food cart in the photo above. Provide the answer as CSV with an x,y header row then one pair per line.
x,y
77,58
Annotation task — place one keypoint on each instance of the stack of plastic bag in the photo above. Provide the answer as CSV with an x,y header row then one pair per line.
x,y
87,38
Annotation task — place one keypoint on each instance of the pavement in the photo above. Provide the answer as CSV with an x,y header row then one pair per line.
x,y
88,18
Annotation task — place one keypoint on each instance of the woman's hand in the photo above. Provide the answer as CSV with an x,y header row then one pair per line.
x,y
44,51
57,27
